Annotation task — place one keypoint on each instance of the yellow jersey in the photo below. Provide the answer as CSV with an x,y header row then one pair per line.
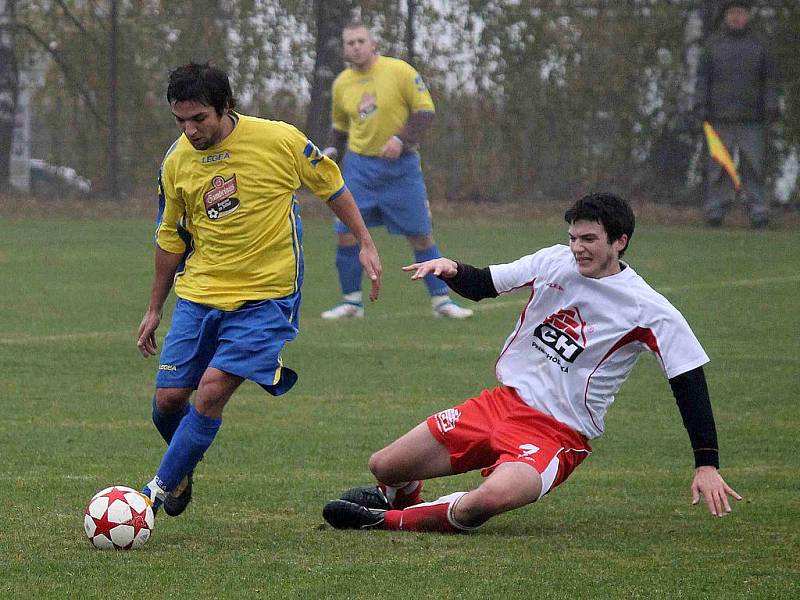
x,y
237,202
373,105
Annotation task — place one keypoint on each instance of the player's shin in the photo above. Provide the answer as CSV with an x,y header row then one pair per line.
x,y
167,422
193,437
436,516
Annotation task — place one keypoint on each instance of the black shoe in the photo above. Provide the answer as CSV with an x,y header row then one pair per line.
x,y
367,496
177,501
342,514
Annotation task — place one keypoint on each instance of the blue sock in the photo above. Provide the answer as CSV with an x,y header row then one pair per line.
x,y
190,442
436,287
349,268
167,423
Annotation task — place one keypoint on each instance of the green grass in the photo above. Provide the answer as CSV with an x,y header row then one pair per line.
x,y
76,396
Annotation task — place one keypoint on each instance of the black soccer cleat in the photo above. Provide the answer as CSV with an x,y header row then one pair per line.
x,y
342,514
177,501
367,496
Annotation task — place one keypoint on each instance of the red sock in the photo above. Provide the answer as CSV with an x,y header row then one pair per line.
x,y
423,517
403,497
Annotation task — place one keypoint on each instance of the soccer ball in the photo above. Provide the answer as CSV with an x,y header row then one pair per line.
x,y
118,517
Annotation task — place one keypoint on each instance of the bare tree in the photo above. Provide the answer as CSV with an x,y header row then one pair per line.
x,y
9,85
330,16
411,31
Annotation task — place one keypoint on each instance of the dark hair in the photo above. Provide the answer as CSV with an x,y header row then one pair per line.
x,y
206,84
612,212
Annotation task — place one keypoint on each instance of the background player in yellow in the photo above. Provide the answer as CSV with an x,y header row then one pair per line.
x,y
229,235
381,108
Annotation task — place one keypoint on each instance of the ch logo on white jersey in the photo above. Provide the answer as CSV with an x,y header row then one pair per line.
x,y
563,332
527,450
447,419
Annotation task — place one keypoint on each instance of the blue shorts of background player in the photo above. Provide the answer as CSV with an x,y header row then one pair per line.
x,y
390,193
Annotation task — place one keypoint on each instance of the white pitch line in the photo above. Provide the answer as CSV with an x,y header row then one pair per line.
x,y
519,301
520,297
83,335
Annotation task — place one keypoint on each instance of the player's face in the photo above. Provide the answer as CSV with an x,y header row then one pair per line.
x,y
737,17
359,47
200,123
593,253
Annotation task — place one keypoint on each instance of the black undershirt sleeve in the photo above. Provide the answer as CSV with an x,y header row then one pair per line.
x,y
691,394
472,283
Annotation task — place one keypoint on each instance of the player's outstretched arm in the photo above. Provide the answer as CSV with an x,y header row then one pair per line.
x,y
166,265
440,267
709,484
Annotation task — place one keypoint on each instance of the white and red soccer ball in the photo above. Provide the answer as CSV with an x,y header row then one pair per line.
x,y
118,518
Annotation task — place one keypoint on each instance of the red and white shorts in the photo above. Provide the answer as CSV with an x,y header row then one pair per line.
x,y
497,427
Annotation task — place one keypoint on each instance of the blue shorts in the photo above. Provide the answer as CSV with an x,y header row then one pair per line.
x,y
388,192
246,342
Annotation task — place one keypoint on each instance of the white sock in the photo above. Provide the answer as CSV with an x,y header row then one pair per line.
x,y
354,297
437,301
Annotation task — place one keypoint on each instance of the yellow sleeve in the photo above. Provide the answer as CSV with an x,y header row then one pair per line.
x,y
415,92
171,211
317,172
339,117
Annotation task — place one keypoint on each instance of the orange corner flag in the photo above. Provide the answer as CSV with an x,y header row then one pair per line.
x,y
720,153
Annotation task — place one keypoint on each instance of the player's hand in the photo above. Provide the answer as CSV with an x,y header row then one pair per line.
x,y
368,255
392,149
146,341
440,267
709,483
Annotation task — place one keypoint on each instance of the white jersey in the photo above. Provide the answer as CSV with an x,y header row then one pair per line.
x,y
578,338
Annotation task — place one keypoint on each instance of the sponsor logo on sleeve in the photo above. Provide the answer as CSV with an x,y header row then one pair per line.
x,y
220,200
312,153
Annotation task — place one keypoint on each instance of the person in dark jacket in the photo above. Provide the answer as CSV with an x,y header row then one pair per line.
x,y
737,93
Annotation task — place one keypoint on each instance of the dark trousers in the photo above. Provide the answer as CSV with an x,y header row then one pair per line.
x,y
749,140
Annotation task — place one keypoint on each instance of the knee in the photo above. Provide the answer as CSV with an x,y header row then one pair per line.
x,y
380,466
171,400
421,242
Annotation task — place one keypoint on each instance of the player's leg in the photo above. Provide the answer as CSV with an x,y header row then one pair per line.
x,y
360,175
400,469
752,145
194,435
184,357
350,270
425,249
170,405
511,485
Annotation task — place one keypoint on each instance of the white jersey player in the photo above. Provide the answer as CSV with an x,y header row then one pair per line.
x,y
588,319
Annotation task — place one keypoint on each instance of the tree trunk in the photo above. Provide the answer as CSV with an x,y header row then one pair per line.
x,y
411,32
330,16
113,90
9,86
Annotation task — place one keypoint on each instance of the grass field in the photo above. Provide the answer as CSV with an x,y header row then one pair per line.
x,y
77,401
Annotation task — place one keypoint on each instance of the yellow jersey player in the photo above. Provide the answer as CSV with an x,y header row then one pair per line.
x,y
381,108
230,237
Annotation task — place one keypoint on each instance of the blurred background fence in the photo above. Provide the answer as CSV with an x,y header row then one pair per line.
x,y
535,99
